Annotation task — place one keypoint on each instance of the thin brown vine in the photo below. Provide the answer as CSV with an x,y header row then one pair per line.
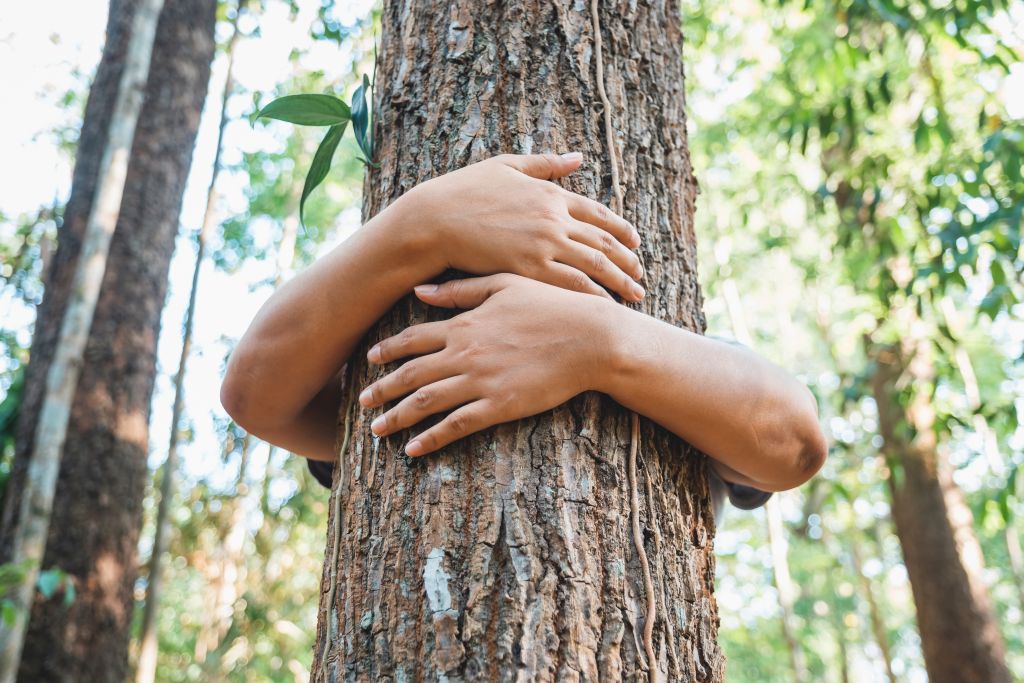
x,y
634,440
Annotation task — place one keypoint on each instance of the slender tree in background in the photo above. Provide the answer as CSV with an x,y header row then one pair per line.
x,y
146,668
516,552
960,637
777,544
33,518
94,531
874,613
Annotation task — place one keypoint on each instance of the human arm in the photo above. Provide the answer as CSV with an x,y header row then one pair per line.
x,y
281,382
502,361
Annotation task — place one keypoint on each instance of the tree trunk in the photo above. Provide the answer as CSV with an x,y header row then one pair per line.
x,y
779,546
511,555
960,638
148,646
95,526
786,588
878,629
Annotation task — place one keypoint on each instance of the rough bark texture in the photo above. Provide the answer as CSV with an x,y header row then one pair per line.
x,y
98,509
510,555
960,637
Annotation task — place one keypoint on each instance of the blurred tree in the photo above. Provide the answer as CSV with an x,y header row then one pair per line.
x,y
146,668
96,519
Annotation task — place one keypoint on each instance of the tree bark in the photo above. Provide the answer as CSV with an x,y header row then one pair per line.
x,y
511,554
148,646
960,637
98,512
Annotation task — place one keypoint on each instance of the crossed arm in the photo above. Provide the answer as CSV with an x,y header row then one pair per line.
x,y
537,331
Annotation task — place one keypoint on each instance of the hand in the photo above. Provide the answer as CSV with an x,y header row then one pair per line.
x,y
502,216
495,363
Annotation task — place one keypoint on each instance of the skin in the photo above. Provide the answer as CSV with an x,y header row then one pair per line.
x,y
546,255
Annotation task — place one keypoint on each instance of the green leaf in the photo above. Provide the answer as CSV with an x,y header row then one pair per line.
x,y
361,119
307,110
9,612
321,164
49,581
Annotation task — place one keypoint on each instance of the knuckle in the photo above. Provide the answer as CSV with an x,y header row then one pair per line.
x,y
423,398
429,439
549,214
607,243
407,375
405,338
460,422
472,351
602,213
598,261
579,281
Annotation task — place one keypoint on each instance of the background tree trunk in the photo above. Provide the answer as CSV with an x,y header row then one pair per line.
x,y
511,554
145,671
960,638
98,512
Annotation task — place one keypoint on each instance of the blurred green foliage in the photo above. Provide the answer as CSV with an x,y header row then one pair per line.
x,y
861,184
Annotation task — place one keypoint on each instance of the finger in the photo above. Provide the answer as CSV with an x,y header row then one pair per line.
x,y
567,277
467,293
543,166
413,374
597,214
603,241
601,269
425,401
412,341
460,423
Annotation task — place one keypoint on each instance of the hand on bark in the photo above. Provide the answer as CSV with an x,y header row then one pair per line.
x,y
525,347
502,216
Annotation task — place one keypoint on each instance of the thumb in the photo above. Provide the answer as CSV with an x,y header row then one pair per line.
x,y
468,293
543,166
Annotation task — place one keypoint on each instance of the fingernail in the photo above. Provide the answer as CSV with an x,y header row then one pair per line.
x,y
373,355
366,397
636,237
414,448
377,426
425,289
572,156
638,291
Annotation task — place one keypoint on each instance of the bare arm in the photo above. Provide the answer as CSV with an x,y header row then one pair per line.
x,y
501,361
757,422
281,382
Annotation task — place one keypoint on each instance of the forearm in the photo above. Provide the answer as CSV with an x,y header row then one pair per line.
x,y
752,417
279,383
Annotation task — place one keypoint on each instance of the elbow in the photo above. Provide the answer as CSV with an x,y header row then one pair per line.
x,y
236,394
794,442
813,447
812,454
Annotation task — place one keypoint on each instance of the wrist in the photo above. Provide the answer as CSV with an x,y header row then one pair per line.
x,y
615,357
412,239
